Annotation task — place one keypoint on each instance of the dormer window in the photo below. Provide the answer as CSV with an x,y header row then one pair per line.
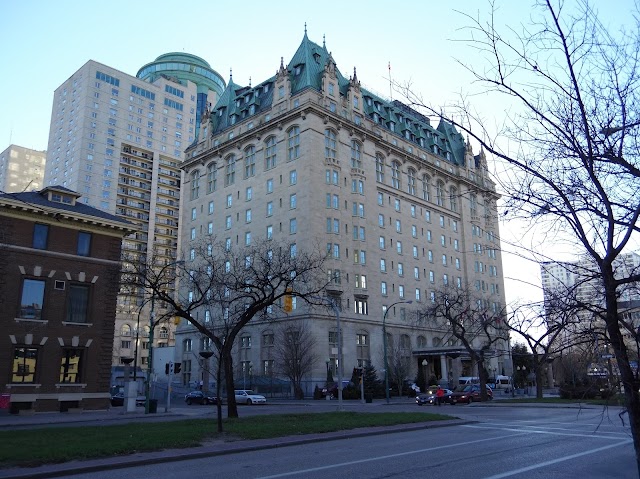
x,y
220,111
266,88
297,70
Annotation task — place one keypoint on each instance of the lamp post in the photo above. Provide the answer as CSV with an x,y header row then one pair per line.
x,y
425,363
152,324
384,346
205,356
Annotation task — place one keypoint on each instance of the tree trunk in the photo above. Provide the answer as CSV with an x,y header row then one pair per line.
x,y
631,383
218,394
227,362
297,391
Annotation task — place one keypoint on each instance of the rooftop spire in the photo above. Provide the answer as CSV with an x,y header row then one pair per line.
x,y
324,42
305,29
230,75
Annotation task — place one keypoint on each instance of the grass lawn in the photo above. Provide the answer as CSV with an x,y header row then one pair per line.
x,y
31,447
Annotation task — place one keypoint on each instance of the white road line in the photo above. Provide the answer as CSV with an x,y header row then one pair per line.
x,y
555,461
550,433
389,456
551,430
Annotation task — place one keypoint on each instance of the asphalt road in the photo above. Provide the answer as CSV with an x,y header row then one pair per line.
x,y
507,441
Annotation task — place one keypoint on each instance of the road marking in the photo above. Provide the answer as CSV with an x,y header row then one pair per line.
x,y
555,461
382,458
532,431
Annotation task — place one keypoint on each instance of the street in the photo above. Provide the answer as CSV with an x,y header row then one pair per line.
x,y
507,441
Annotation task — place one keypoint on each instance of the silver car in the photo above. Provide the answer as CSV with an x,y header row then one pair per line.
x,y
247,396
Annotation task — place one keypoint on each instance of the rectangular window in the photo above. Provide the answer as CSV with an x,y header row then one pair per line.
x,y
361,306
25,360
84,243
210,207
77,303
40,236
32,299
70,366
383,265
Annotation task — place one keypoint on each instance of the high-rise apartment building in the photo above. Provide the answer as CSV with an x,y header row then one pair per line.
x,y
118,140
21,169
403,208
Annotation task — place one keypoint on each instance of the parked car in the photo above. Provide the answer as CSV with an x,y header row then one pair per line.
x,y
118,400
467,394
430,396
247,396
198,397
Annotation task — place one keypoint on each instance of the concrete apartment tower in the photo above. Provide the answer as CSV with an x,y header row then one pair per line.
x,y
118,140
21,169
310,156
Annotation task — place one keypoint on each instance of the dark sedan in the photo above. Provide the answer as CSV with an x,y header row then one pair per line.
x,y
198,397
430,397
118,400
467,394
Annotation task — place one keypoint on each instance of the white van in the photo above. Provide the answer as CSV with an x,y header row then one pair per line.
x,y
503,382
464,380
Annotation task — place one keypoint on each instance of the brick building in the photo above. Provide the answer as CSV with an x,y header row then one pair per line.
x,y
59,268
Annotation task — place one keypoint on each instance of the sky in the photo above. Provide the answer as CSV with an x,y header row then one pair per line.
x,y
44,42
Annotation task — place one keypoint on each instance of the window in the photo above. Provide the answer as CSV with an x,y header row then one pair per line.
x,y
77,303
395,174
212,176
329,144
193,233
432,277
361,281
443,240
195,184
70,366
248,193
415,251
270,153
32,299
473,205
399,246
247,216
293,202
293,143
396,204
360,306
40,236
400,269
25,360
249,162
425,188
414,231
411,181
270,208
229,200
444,260
381,221
359,257
247,238
293,177
401,291
210,207
383,265
379,168
383,288
230,170
227,222
416,272
440,193
380,199
194,212
269,232
293,226
382,242
453,199
356,160
84,243
398,226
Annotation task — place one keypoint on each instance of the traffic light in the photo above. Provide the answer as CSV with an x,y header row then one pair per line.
x,y
176,368
166,368
288,302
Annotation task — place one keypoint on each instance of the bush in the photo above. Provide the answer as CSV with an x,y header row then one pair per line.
x,y
578,391
317,393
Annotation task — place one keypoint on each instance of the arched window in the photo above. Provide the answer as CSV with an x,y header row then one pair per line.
x,y
293,143
356,161
395,174
473,205
212,177
405,343
422,342
440,193
411,181
270,159
146,331
426,190
230,170
329,143
195,184
249,162
125,330
379,168
437,342
453,198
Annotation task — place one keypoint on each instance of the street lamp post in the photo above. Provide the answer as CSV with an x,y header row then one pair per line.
x,y
425,363
384,346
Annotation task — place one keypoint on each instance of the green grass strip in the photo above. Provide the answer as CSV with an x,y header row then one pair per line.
x,y
32,447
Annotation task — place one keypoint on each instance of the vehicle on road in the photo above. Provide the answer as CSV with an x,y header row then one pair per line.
x,y
430,396
247,396
198,397
467,394
118,400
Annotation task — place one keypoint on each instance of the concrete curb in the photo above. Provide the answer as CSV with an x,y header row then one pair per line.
x,y
211,450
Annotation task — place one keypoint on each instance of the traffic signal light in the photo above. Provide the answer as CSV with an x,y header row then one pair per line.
x,y
166,368
288,302
177,367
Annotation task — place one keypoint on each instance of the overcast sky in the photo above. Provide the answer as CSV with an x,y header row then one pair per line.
x,y
44,42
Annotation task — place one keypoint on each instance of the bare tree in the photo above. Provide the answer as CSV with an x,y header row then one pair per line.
x,y
570,144
462,316
222,287
294,353
399,361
